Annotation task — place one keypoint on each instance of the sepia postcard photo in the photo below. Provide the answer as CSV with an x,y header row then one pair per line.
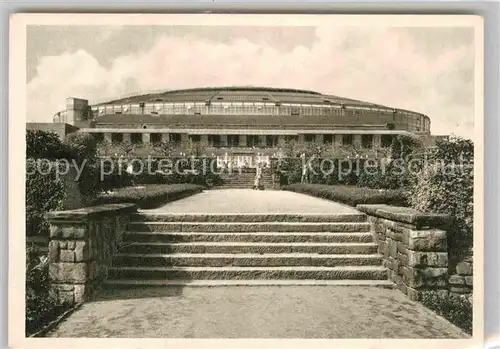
x,y
246,181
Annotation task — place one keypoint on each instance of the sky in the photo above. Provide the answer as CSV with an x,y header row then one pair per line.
x,y
424,69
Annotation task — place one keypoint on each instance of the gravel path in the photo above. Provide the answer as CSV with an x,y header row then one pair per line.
x,y
255,312
253,201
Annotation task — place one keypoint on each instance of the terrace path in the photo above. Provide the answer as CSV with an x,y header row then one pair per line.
x,y
255,312
253,201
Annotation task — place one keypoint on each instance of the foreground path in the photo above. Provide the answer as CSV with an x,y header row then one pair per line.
x,y
253,201
255,312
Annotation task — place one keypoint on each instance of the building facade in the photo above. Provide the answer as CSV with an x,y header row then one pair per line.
x,y
244,124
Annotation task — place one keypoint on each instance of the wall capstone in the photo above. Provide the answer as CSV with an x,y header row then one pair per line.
x,y
82,244
413,245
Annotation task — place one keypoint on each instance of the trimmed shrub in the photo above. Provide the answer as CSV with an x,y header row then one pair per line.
x,y
456,309
446,185
41,308
44,192
351,195
149,196
405,151
44,145
82,147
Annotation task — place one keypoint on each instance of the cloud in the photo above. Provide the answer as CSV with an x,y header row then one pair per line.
x,y
398,67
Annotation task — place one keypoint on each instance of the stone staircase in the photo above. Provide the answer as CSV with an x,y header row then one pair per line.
x,y
247,249
245,178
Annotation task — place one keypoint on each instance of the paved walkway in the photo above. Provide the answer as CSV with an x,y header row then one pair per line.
x,y
255,312
253,201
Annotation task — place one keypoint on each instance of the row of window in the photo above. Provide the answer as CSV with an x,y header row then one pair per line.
x,y
414,122
252,141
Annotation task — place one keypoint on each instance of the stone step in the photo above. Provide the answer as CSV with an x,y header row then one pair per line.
x,y
248,217
245,273
122,283
248,247
230,259
249,227
245,237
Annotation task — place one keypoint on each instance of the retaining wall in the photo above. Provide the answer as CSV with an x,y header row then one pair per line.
x,y
82,243
414,246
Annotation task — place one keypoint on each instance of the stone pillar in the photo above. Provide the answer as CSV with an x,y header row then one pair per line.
x,y
413,245
223,140
337,141
126,137
301,139
107,136
165,137
357,141
262,140
204,139
146,138
184,137
319,139
243,141
376,141
81,246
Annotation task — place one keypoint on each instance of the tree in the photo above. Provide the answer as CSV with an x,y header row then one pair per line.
x,y
104,147
166,148
193,148
127,147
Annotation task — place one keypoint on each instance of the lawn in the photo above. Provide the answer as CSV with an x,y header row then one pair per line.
x,y
149,195
351,195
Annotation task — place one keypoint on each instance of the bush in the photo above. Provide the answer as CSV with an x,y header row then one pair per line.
x,y
449,189
351,195
290,171
149,196
41,308
81,147
44,145
456,309
395,174
44,192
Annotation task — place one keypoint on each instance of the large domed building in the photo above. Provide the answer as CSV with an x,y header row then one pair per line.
x,y
246,121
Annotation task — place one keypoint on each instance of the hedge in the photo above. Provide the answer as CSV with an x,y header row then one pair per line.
x,y
149,196
41,308
44,192
351,195
455,309
446,185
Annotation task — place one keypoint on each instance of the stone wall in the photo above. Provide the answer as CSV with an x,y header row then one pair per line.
x,y
461,281
82,244
414,247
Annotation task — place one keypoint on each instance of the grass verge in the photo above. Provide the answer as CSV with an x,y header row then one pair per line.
x,y
351,195
149,195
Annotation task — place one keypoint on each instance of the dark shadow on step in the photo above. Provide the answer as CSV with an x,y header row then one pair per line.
x,y
144,268
136,292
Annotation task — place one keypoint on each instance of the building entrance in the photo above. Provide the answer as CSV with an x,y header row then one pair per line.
x,y
245,160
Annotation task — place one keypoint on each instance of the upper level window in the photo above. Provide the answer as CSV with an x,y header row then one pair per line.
x,y
308,138
175,137
195,138
347,139
155,138
214,140
136,138
386,141
117,137
99,137
367,141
